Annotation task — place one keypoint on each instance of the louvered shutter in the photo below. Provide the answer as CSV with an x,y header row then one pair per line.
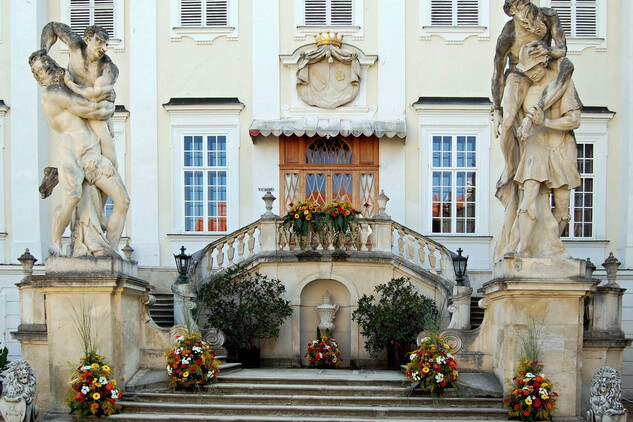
x,y
467,12
191,12
92,12
216,13
441,12
315,12
578,17
342,13
586,18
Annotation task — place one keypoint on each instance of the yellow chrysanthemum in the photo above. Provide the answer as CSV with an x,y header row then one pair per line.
x,y
545,397
94,366
96,396
105,368
425,369
308,217
296,215
113,382
185,374
97,384
528,401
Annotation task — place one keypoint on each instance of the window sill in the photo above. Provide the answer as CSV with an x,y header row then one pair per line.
x,y
203,35
455,34
301,32
577,45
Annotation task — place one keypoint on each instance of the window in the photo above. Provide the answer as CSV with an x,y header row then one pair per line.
x,y
454,12
204,20
342,16
581,202
106,13
205,184
454,183
322,169
328,12
584,22
204,13
205,162
578,17
454,20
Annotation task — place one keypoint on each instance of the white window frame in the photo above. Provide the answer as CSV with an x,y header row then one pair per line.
x,y
455,34
355,31
577,45
203,34
117,42
455,120
204,120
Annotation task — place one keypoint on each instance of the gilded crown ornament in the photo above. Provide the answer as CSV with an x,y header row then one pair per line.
x,y
329,38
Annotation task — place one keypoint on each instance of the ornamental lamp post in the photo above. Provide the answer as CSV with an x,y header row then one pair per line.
x,y
459,264
182,264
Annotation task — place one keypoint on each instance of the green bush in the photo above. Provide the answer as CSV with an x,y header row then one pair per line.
x,y
246,306
395,320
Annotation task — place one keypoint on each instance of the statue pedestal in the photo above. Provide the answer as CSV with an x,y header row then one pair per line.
x,y
551,294
105,286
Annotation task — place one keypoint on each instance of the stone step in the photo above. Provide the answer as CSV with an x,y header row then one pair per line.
x,y
331,410
323,398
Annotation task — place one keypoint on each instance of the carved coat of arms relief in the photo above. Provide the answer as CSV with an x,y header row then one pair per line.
x,y
329,75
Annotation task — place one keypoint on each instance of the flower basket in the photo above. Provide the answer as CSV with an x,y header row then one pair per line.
x,y
432,367
323,352
93,392
532,398
302,219
191,363
340,219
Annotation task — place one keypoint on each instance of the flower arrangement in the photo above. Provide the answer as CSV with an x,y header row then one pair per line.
x,y
300,217
323,352
432,367
93,392
532,398
340,214
191,363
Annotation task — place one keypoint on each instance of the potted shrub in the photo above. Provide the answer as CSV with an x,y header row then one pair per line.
x,y
394,320
247,307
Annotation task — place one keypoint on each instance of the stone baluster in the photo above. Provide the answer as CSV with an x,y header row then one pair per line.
x,y
410,247
363,234
432,258
210,258
220,256
421,252
371,237
230,254
400,241
251,241
240,246
443,258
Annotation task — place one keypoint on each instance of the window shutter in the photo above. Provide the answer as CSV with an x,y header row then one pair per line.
x,y
190,12
342,13
315,12
586,18
578,17
467,12
92,12
217,13
441,12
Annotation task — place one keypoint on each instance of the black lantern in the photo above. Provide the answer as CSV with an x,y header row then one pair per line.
x,y
459,263
182,264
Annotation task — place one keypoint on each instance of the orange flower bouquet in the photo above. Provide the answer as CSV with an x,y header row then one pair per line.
x,y
432,367
323,352
532,398
301,217
92,391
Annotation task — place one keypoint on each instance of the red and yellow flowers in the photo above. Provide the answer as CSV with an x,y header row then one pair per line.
x,y
532,398
432,366
92,391
190,362
323,352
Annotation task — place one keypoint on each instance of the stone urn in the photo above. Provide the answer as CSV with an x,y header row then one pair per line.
x,y
326,312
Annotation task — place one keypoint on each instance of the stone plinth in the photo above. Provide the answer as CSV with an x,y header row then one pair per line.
x,y
551,294
107,287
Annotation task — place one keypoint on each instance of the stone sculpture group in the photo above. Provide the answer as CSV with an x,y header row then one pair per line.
x,y
78,104
535,109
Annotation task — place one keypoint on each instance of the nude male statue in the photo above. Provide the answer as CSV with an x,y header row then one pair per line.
x,y
91,73
529,23
79,151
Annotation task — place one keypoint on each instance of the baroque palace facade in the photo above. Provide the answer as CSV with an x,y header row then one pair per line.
x,y
217,101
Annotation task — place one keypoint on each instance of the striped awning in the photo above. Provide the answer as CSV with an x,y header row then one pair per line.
x,y
329,127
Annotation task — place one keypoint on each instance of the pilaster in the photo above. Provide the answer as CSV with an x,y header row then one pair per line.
x,y
143,180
